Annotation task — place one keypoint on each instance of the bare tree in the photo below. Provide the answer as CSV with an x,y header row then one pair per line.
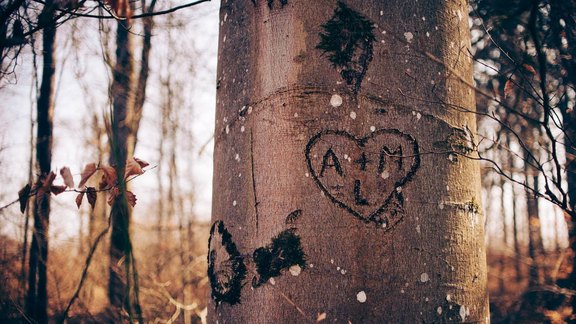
x,y
37,296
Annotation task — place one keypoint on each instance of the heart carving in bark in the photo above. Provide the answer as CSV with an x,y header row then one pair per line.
x,y
366,175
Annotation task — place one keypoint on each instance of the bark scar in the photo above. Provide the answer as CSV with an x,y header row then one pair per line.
x,y
254,180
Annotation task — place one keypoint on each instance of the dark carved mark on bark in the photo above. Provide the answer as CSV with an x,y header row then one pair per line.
x,y
253,180
385,153
347,40
226,268
372,192
293,217
451,312
334,164
380,111
282,3
459,141
284,251
271,3
358,199
362,161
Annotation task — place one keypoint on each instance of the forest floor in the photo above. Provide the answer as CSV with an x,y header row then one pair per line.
x,y
513,301
511,298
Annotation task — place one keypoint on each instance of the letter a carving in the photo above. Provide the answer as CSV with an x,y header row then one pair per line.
x,y
331,160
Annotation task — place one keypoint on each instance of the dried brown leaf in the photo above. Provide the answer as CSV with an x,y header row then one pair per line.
x,y
109,178
142,163
131,197
67,176
529,68
508,88
56,190
91,196
79,199
89,170
23,196
112,194
321,317
132,168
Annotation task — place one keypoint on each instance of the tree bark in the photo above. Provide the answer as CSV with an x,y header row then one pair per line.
x,y
341,190
37,296
535,247
119,282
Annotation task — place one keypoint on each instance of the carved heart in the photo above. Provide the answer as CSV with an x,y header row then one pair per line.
x,y
364,175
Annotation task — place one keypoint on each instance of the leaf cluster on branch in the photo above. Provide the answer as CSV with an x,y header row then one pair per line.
x,y
108,183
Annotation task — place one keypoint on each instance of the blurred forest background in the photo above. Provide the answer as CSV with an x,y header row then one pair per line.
x,y
87,85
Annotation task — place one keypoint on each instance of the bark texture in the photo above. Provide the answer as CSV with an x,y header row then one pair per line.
x,y
119,284
341,189
37,296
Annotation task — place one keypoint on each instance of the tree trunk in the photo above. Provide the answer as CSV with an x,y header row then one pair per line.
x,y
515,225
504,248
119,283
535,247
37,296
327,200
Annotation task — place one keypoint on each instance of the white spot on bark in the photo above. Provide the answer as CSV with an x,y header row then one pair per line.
x,y
427,34
272,281
234,203
401,291
239,175
345,156
242,129
399,189
295,270
463,313
225,16
295,114
439,310
353,114
336,101
409,36
307,174
227,129
418,116
361,296
385,174
311,265
448,297
237,157
418,229
249,109
441,205
332,261
424,277
381,13
423,18
343,271
372,128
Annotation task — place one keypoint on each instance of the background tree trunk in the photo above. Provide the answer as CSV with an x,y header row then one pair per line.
x,y
37,296
123,102
340,186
